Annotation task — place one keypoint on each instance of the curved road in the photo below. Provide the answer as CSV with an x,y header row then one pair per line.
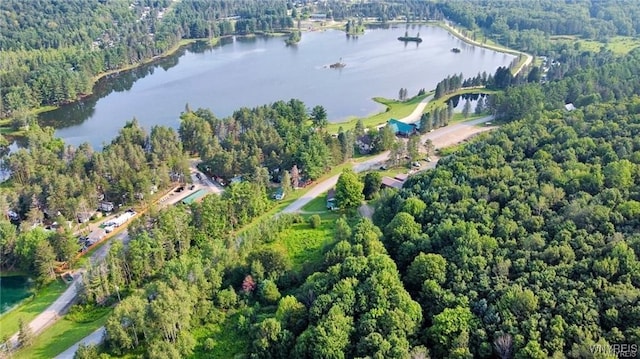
x,y
442,137
94,338
458,34
68,297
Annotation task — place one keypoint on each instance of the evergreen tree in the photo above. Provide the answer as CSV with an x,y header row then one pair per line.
x,y
25,334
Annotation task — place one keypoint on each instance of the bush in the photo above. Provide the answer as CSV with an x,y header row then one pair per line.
x,y
227,298
269,292
209,344
315,221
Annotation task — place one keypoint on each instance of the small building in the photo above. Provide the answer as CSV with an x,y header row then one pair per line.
x,y
236,179
84,217
332,204
401,177
194,197
364,144
105,206
389,182
402,129
279,194
318,17
569,107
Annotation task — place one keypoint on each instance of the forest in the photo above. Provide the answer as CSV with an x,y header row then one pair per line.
x,y
53,51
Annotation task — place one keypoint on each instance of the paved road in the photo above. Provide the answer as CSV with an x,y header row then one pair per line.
x,y
442,137
453,134
417,112
94,338
64,301
327,184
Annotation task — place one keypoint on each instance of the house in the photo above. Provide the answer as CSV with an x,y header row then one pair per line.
x,y
105,206
84,217
364,144
402,129
389,182
279,194
332,204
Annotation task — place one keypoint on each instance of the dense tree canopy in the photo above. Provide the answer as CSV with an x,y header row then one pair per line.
x,y
528,232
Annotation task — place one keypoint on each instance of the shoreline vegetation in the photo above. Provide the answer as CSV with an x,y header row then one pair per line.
x,y
5,124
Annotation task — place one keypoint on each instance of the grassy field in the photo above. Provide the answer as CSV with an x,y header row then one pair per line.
x,y
31,307
305,245
620,45
395,109
229,342
64,333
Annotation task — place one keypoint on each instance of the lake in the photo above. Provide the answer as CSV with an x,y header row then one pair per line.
x,y
13,289
253,71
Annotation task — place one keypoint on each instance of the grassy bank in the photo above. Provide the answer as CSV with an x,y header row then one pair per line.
x,y
394,109
442,101
31,307
64,333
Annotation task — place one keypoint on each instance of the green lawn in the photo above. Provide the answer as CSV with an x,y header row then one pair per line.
x,y
318,204
393,171
395,109
305,245
31,307
229,342
64,333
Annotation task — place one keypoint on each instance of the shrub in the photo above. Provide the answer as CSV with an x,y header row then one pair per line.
x,y
315,221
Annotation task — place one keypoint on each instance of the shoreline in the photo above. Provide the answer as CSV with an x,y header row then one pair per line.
x,y
8,132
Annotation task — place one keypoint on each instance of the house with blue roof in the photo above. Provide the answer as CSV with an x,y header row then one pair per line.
x,y
402,129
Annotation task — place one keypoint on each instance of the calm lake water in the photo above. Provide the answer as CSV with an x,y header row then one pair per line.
x,y
255,71
13,289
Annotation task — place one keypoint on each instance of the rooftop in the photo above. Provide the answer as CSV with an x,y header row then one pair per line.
x,y
401,127
391,182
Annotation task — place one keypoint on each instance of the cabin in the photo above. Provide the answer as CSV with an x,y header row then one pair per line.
x,y
332,204
402,129
364,144
105,206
